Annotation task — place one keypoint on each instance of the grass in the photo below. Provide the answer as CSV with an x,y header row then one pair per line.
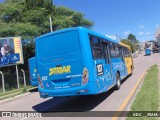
x,y
148,96
15,92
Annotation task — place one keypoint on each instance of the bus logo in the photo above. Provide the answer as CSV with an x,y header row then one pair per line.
x,y
99,69
60,70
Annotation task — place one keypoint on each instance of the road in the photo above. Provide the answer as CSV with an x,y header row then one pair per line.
x,y
110,101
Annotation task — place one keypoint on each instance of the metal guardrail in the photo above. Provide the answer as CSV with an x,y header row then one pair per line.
x,y
3,86
24,78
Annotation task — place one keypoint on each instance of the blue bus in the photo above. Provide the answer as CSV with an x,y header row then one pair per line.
x,y
33,71
78,61
147,51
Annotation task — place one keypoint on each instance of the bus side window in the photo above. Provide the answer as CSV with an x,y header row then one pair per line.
x,y
96,48
105,51
127,52
117,50
124,52
112,50
95,42
121,52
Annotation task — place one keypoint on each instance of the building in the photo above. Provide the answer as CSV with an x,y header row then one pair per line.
x,y
157,36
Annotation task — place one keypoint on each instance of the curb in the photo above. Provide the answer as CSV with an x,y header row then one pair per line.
x,y
13,98
158,65
131,98
16,96
137,90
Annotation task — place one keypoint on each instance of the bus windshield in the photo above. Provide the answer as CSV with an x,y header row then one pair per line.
x,y
58,44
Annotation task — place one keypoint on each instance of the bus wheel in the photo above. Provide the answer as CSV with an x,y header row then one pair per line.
x,y
118,82
131,70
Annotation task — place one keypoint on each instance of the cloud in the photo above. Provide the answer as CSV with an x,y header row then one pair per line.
x,y
141,33
111,36
148,33
157,26
127,33
141,26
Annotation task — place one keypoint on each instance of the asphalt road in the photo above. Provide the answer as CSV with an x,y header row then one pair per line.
x,y
110,101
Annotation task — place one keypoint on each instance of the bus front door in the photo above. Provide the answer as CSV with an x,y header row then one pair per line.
x,y
107,65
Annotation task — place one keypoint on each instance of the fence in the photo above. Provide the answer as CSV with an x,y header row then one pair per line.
x,y
10,80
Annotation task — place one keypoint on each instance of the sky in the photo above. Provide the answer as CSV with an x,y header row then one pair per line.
x,y
119,17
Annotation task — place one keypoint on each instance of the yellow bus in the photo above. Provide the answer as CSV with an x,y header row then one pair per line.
x,y
127,57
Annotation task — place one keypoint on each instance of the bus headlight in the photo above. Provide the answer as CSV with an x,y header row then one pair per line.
x,y
85,76
40,81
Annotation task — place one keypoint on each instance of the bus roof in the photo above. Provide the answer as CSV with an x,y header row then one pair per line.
x,y
125,45
79,29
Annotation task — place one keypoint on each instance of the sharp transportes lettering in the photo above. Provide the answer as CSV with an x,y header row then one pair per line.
x,y
60,70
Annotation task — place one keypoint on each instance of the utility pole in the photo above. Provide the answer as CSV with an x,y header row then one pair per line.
x,y
63,22
50,20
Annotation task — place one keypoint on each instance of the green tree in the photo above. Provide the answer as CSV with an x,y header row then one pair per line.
x,y
30,18
66,17
34,4
18,19
28,52
129,43
132,38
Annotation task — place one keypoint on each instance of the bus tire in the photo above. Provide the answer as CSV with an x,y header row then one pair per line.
x,y
118,82
131,70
